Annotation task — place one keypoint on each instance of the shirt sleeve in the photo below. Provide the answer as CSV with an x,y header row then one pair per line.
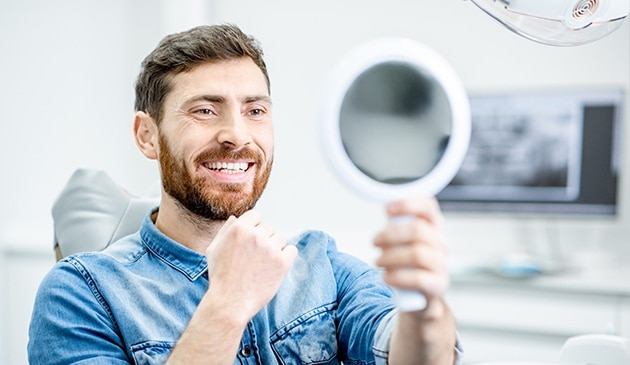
x,y
364,302
71,324
367,311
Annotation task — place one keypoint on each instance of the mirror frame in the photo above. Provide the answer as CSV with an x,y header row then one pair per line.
x,y
429,64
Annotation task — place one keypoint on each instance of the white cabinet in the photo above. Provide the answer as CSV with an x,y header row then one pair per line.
x,y
503,319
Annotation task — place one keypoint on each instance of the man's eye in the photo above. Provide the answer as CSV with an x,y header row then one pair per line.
x,y
204,112
256,112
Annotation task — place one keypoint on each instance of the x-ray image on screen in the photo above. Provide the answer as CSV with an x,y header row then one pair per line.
x,y
541,152
524,147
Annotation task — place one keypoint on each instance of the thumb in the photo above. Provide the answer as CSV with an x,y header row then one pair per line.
x,y
289,253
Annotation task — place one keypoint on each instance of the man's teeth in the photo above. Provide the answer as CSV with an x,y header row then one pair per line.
x,y
228,167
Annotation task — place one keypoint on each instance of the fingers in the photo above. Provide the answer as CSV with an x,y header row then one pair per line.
x,y
416,230
290,253
417,256
414,250
421,268
251,223
426,208
264,234
250,218
431,284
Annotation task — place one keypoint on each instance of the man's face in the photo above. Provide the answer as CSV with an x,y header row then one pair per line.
x,y
216,138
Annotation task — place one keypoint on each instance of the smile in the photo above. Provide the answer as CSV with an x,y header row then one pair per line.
x,y
228,167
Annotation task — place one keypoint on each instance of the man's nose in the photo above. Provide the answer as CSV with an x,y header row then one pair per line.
x,y
234,130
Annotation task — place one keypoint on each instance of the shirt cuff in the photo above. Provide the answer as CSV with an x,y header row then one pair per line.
x,y
384,332
380,348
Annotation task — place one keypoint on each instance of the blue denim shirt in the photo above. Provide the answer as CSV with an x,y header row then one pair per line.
x,y
130,303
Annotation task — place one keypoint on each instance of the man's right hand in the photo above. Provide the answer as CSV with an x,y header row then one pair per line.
x,y
247,262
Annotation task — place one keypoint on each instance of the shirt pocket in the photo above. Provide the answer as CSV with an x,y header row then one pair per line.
x,y
151,352
309,339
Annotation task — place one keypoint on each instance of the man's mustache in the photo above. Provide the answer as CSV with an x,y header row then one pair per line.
x,y
228,153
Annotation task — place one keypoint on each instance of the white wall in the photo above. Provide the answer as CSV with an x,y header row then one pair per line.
x,y
66,100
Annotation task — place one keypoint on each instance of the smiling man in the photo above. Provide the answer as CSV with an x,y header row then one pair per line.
x,y
206,280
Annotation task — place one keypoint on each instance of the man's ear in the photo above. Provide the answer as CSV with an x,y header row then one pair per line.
x,y
145,132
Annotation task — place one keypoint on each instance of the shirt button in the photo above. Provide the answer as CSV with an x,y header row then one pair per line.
x,y
246,351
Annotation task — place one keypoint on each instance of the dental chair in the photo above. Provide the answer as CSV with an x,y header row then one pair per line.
x,y
92,211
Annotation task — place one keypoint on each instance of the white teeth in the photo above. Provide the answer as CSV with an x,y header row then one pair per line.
x,y
228,167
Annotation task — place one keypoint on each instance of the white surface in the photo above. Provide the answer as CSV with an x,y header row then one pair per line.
x,y
596,349
517,363
529,319
20,275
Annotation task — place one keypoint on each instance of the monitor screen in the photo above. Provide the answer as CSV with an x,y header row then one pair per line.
x,y
545,152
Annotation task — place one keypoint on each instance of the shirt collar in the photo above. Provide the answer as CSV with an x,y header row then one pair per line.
x,y
181,258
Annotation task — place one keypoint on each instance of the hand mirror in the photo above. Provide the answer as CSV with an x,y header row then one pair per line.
x,y
395,125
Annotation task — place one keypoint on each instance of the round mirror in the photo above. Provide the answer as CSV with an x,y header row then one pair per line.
x,y
396,120
396,124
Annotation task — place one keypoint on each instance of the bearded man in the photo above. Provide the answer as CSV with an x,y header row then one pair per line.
x,y
206,280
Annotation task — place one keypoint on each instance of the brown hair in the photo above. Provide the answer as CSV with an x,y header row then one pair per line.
x,y
180,52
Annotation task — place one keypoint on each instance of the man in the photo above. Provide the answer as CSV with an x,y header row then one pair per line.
x,y
206,280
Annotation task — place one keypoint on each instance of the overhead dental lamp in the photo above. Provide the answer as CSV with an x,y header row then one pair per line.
x,y
558,22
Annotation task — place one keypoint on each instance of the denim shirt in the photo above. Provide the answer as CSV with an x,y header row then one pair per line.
x,y
131,302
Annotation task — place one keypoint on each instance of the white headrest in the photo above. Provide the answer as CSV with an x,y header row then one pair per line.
x,y
92,211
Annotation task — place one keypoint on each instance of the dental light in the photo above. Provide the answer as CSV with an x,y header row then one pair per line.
x,y
558,22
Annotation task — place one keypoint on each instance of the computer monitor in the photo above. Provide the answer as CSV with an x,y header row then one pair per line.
x,y
541,153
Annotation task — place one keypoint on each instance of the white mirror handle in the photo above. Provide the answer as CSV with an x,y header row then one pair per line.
x,y
410,300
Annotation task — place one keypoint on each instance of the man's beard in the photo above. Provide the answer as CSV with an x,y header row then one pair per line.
x,y
193,193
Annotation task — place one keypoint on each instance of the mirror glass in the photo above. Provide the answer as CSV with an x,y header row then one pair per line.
x,y
395,123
